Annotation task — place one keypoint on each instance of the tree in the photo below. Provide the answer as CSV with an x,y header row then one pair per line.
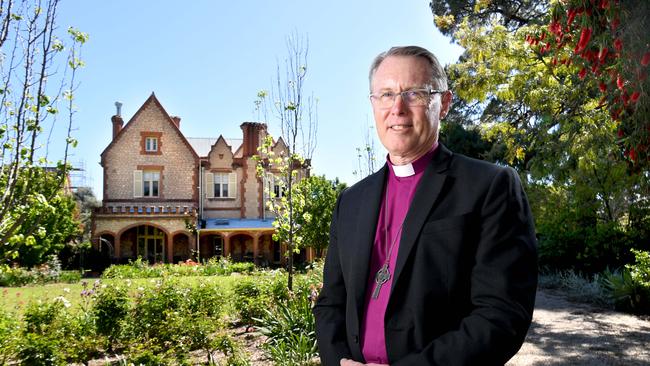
x,y
37,75
298,119
317,198
541,115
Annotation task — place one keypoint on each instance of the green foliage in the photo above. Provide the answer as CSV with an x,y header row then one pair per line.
x,y
315,198
8,336
110,309
45,223
36,217
290,331
630,287
518,104
251,298
141,269
45,273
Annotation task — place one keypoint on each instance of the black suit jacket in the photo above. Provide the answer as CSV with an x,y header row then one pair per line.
x,y
464,284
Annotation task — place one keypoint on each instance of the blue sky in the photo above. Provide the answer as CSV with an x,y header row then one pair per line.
x,y
206,61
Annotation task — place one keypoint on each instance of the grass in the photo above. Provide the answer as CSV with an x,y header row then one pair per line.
x,y
15,299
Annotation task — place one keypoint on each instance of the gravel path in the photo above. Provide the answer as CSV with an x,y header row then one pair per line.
x,y
567,333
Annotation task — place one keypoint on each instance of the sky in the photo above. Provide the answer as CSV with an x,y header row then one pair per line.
x,y
207,60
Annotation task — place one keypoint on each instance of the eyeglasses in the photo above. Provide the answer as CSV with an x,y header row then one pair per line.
x,y
413,97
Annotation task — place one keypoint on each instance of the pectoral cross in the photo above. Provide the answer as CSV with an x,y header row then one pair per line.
x,y
382,276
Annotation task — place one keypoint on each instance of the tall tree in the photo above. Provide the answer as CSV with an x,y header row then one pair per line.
x,y
544,117
297,115
37,76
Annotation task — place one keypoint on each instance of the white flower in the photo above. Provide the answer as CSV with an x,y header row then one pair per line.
x,y
65,301
66,290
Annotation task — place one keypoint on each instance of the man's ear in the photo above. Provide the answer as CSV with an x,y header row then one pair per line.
x,y
445,103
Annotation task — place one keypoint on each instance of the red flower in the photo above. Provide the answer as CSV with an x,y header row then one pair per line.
x,y
619,82
604,4
582,73
571,14
615,23
632,154
620,133
585,36
555,28
602,86
635,96
618,44
646,59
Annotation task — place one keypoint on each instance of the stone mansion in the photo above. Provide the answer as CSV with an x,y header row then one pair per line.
x,y
169,198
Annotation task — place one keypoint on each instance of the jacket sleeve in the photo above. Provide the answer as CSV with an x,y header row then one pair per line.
x,y
329,311
503,283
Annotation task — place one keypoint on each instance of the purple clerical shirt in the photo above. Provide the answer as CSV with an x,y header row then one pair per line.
x,y
398,194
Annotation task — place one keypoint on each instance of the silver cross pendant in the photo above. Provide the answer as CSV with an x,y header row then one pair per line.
x,y
382,276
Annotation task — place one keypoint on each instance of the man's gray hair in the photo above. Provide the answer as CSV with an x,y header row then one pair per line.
x,y
438,75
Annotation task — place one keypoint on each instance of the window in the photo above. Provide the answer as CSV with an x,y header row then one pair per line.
x,y
151,181
151,144
276,186
221,185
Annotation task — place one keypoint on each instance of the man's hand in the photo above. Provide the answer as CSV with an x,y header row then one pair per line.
x,y
346,362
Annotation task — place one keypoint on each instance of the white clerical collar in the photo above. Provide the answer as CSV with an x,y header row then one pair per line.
x,y
402,171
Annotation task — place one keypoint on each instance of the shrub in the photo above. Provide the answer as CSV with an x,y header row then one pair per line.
x,y
39,350
630,286
291,334
141,269
251,298
8,336
110,308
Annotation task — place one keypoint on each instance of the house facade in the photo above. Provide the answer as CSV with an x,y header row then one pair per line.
x,y
169,198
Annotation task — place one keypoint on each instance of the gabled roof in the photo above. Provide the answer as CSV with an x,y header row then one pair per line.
x,y
151,100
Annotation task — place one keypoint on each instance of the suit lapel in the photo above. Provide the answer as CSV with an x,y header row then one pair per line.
x,y
432,181
368,209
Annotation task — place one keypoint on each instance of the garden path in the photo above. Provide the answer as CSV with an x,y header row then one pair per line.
x,y
568,333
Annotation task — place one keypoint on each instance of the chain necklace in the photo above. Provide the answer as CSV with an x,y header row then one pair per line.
x,y
383,274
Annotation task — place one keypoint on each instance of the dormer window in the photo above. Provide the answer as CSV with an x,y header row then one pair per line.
x,y
150,143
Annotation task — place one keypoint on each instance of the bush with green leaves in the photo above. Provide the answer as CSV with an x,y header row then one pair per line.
x,y
53,336
110,308
9,336
141,269
630,286
251,297
49,272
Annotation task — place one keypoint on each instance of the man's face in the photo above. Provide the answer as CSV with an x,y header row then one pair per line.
x,y
406,131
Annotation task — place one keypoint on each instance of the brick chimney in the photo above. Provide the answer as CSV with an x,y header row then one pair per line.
x,y
177,121
251,137
117,120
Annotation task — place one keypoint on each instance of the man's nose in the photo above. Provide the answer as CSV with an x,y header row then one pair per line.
x,y
399,105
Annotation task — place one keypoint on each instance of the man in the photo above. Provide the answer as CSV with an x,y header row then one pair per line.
x,y
432,260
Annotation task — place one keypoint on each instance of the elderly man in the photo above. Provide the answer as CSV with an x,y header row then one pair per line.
x,y
432,260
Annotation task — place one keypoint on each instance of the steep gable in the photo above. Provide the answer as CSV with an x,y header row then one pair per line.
x,y
151,102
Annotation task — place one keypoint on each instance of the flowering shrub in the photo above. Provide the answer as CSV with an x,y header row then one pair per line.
x,y
605,41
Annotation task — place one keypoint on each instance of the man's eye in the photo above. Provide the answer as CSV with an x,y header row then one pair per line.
x,y
414,94
387,95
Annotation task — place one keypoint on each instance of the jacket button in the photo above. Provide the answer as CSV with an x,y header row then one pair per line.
x,y
356,339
